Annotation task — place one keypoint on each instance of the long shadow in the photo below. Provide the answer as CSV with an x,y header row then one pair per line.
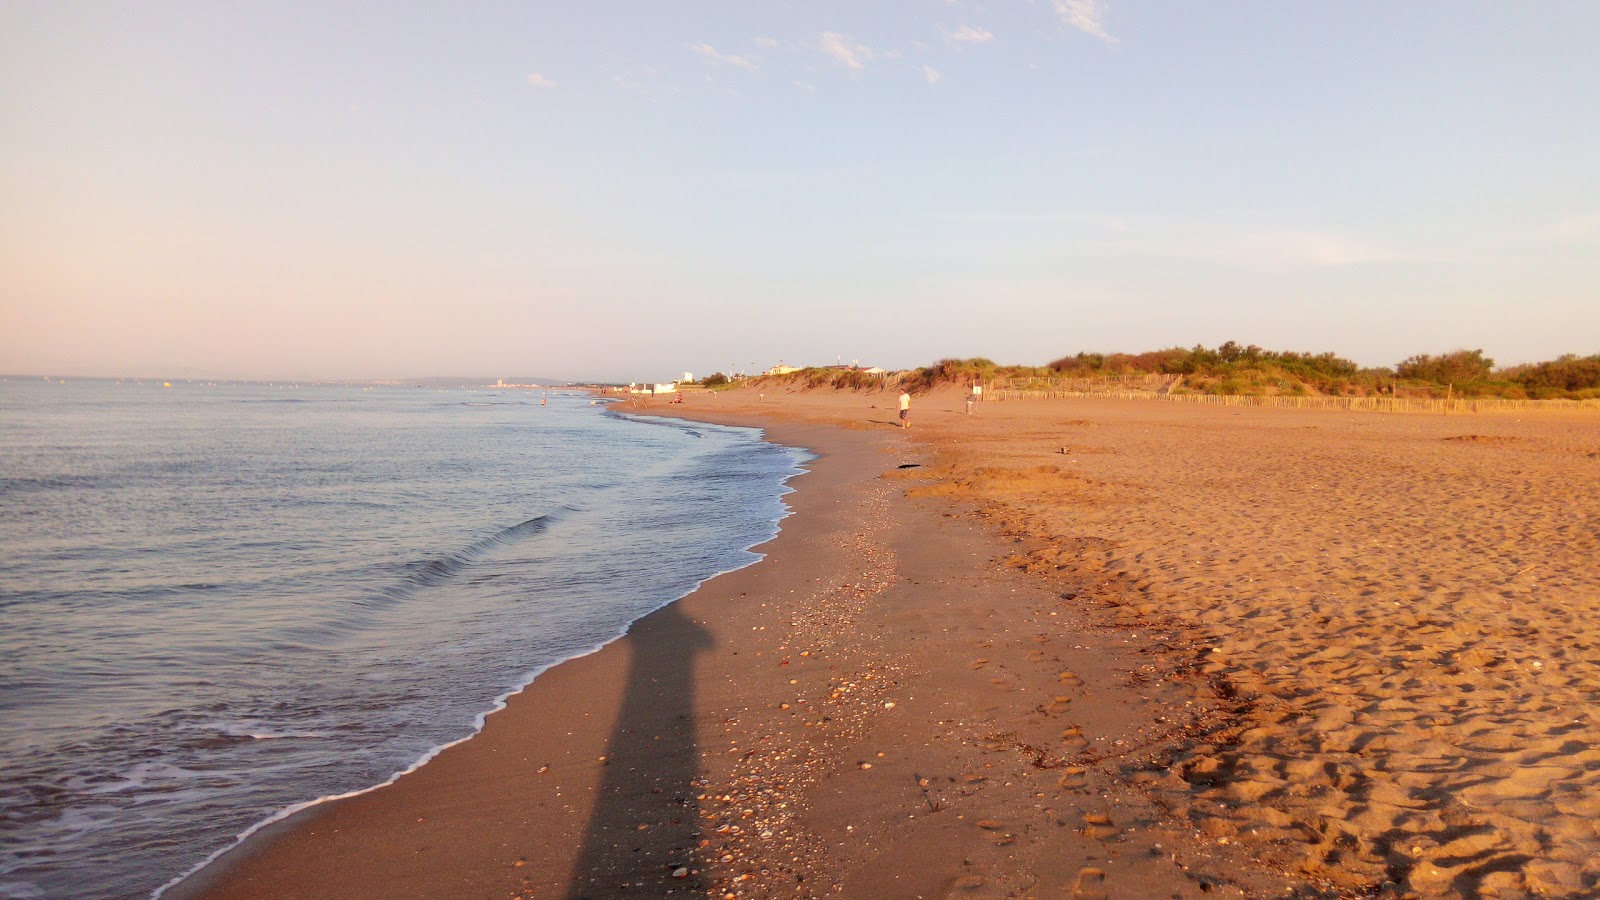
x,y
646,821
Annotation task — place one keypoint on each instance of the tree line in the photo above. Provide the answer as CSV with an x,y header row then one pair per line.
x,y
1234,369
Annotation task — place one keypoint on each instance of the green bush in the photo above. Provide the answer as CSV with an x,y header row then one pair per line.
x,y
1569,373
1456,367
1251,370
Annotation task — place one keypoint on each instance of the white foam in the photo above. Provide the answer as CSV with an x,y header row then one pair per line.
x,y
252,729
140,777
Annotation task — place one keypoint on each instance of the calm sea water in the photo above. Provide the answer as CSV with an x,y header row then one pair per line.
x,y
217,601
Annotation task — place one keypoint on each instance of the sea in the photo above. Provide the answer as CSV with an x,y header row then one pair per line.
x,y
223,601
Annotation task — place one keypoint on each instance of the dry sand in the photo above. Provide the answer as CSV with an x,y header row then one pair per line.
x,y
1086,649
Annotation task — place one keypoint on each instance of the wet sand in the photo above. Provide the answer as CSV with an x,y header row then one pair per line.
x,y
1082,648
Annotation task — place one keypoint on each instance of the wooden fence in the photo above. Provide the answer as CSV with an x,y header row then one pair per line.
x,y
1104,384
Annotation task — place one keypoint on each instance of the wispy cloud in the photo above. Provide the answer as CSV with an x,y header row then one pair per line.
x,y
706,51
539,81
932,74
1292,249
850,55
767,43
968,34
1112,222
1084,15
644,81
1576,228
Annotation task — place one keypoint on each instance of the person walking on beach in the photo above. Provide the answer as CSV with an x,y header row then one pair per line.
x,y
905,409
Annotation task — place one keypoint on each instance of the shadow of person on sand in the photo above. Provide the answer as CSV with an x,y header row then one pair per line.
x,y
646,821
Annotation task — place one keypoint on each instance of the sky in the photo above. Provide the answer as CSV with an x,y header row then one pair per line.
x,y
604,190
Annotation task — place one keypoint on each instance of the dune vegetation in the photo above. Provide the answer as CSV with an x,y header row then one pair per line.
x,y
1231,369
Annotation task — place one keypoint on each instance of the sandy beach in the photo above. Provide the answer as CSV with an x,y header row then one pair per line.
x,y
1403,606
1061,648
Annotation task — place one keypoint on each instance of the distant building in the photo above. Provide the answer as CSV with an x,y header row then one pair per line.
x,y
781,369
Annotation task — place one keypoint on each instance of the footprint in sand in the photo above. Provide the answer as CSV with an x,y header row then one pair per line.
x,y
1073,778
1073,741
1099,827
1090,884
969,883
1057,705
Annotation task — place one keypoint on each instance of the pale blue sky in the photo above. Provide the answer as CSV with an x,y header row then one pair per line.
x,y
629,190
